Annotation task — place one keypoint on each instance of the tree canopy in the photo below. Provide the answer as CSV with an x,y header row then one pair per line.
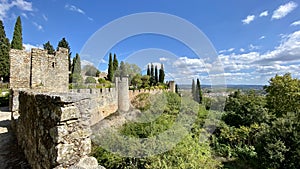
x,y
17,41
4,54
47,46
65,44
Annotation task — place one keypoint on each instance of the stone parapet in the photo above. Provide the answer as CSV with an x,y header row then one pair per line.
x,y
54,129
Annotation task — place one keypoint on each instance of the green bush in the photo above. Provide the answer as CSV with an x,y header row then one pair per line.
x,y
4,99
90,80
158,117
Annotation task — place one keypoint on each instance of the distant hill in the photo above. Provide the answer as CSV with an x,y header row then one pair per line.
x,y
243,87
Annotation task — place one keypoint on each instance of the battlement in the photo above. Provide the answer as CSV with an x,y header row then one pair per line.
x,y
39,70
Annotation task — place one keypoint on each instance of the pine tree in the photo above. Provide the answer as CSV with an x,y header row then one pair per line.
x,y
110,73
148,71
4,54
161,74
17,41
115,63
47,46
64,44
156,75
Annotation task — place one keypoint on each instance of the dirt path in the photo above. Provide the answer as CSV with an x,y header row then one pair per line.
x,y
11,157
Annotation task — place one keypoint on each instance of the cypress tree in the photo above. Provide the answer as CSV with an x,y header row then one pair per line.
x,y
76,65
76,70
193,89
110,72
115,63
198,92
17,41
152,78
64,44
161,74
148,71
176,89
47,46
152,70
156,75
4,54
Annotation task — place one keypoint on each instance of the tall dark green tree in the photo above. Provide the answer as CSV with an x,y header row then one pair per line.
x,y
193,89
115,63
156,75
17,41
4,54
110,73
64,44
198,92
152,78
47,46
148,70
161,74
76,70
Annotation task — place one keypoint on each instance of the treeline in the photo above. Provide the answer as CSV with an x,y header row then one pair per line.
x,y
5,46
259,131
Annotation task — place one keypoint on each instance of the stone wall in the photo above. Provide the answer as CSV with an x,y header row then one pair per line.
x,y
54,130
50,72
39,70
20,64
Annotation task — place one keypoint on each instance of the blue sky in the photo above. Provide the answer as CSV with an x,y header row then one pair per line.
x,y
254,39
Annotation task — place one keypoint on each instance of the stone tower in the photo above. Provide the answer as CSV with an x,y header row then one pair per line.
x,y
123,93
39,70
172,86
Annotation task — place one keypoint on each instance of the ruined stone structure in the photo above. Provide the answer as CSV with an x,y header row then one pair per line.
x,y
53,124
54,130
39,70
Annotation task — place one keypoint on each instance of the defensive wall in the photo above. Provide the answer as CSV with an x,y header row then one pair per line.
x,y
52,123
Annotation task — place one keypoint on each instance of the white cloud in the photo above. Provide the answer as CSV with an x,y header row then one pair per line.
x,y
24,15
256,67
262,37
283,10
163,59
38,26
74,8
249,19
45,17
28,46
242,50
265,13
253,47
296,23
23,5
5,6
227,50
287,52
